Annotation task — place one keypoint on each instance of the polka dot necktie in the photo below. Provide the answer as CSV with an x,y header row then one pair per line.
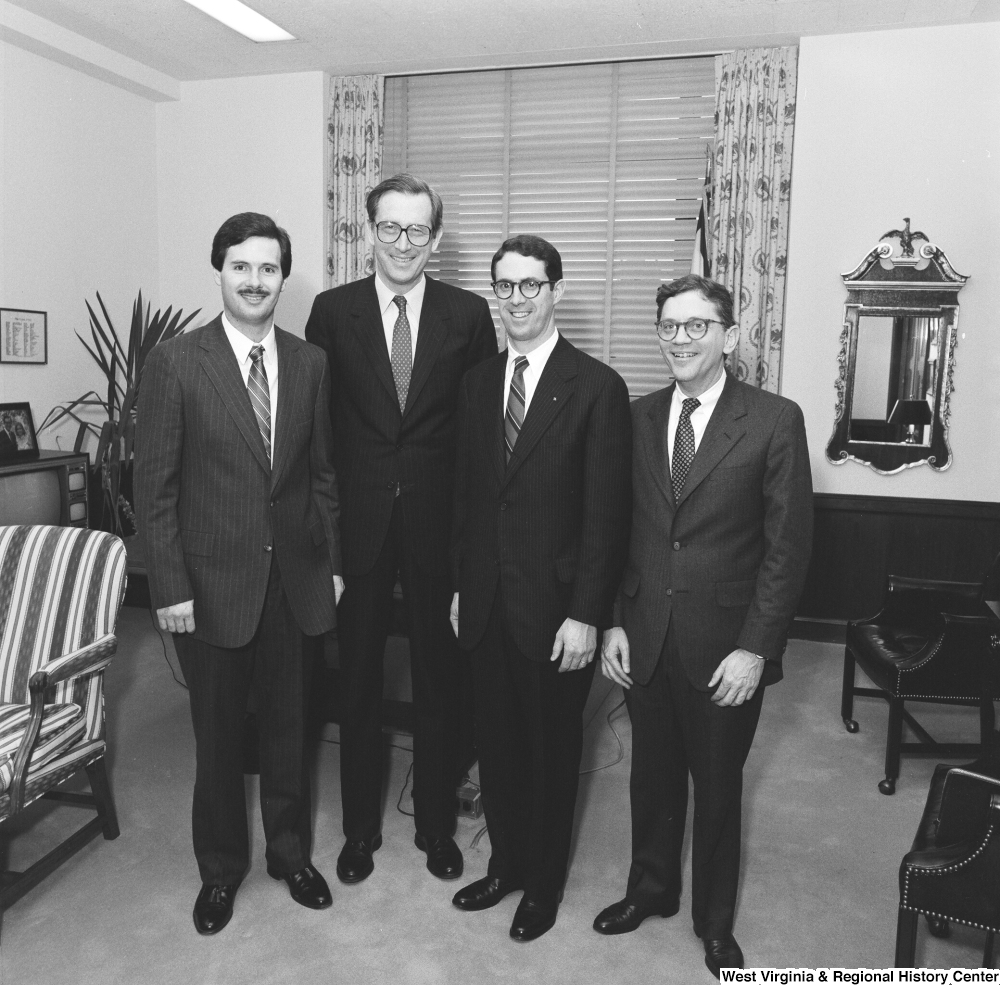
x,y
683,455
402,352
260,395
514,417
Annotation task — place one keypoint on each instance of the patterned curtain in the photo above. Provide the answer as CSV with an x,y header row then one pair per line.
x,y
354,130
754,121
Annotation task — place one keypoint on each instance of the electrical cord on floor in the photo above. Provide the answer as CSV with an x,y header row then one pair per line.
x,y
618,738
163,643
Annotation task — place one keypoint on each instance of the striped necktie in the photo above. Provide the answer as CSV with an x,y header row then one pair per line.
x,y
402,352
683,456
260,395
514,417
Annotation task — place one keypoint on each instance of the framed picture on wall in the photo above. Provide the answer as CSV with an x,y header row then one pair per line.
x,y
24,336
17,433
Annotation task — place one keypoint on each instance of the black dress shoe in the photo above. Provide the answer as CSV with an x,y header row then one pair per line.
x,y
444,857
484,893
624,917
308,887
532,918
213,908
355,860
722,952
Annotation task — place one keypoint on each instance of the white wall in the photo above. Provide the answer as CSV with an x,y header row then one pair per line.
x,y
253,144
894,124
77,215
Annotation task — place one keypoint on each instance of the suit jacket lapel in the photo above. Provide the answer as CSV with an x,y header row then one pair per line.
x,y
552,393
430,337
653,434
219,362
725,427
371,333
288,371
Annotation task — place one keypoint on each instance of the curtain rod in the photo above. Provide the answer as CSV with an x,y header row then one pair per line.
x,y
556,64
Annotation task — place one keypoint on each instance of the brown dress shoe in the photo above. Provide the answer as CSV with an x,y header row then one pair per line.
x,y
355,860
307,886
213,908
484,893
623,917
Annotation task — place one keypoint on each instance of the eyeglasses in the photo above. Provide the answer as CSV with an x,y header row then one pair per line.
x,y
529,287
388,232
695,328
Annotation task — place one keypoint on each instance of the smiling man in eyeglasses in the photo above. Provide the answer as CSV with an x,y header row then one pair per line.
x,y
398,343
541,530
721,537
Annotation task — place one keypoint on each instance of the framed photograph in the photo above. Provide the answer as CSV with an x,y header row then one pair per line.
x,y
24,336
17,433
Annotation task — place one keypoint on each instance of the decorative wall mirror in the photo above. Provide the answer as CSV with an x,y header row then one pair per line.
x,y
897,351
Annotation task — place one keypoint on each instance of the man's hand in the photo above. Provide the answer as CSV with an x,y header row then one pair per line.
x,y
338,589
615,663
177,618
576,643
454,614
740,674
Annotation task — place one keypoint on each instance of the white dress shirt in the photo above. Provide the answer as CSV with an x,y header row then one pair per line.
x,y
390,312
242,346
537,359
701,416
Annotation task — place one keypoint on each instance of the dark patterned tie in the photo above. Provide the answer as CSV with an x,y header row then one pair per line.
x,y
683,456
402,351
514,417
260,395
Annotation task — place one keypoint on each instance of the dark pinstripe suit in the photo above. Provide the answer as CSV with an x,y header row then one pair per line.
x,y
720,568
256,546
396,481
537,540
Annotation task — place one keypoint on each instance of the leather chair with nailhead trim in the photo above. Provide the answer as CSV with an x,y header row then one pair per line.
x,y
952,872
930,643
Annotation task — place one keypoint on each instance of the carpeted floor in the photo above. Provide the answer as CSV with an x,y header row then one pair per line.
x,y
822,851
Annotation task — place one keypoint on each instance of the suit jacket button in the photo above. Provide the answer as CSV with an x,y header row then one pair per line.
x,y
670,591
677,545
390,485
267,548
503,506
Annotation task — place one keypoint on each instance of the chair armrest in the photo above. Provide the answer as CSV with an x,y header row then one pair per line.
x,y
93,656
965,805
914,601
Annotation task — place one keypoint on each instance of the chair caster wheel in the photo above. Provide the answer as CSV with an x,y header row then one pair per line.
x,y
850,725
938,926
887,786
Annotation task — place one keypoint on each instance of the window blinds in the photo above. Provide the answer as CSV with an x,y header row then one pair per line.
x,y
605,161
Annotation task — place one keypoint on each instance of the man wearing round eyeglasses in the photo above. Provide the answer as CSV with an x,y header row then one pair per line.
x,y
541,530
721,537
399,343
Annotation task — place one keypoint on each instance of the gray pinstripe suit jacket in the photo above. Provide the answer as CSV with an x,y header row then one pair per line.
x,y
727,562
210,507
551,526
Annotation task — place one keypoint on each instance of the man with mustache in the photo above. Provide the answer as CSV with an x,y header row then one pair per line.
x,y
237,504
399,343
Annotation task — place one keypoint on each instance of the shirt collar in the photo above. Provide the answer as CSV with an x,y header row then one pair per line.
x,y
537,357
709,398
241,344
414,296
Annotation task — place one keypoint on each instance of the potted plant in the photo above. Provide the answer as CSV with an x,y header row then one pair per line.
x,y
111,471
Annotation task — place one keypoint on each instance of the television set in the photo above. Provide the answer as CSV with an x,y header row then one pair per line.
x,y
48,489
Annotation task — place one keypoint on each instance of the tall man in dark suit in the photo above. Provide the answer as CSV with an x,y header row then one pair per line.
x,y
541,531
721,536
237,505
398,344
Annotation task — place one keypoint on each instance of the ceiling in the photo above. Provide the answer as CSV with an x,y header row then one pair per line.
x,y
350,37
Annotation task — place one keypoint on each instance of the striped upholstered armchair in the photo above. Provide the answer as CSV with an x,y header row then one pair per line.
x,y
60,591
